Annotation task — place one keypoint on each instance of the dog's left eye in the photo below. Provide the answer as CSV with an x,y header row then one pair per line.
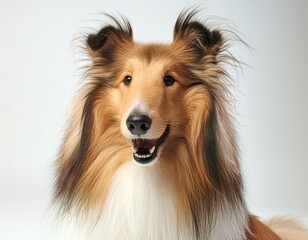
x,y
169,80
127,80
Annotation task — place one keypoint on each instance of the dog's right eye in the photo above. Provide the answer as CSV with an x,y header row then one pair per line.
x,y
127,80
169,80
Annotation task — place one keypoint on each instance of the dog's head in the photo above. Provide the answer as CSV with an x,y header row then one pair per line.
x,y
153,85
151,103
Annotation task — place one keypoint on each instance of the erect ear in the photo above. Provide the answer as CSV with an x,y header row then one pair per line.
x,y
109,38
201,39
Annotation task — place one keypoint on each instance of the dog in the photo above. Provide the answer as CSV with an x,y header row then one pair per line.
x,y
150,151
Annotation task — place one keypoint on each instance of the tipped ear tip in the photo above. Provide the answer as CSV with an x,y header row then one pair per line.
x,y
91,40
216,36
95,41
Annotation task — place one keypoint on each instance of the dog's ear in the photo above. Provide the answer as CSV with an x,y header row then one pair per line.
x,y
196,35
105,42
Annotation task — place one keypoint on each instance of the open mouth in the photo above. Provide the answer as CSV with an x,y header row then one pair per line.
x,y
145,150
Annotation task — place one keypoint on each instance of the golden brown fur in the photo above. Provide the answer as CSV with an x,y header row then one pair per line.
x,y
259,231
206,175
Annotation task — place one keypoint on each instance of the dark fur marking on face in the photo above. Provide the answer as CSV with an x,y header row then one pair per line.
x,y
214,160
66,187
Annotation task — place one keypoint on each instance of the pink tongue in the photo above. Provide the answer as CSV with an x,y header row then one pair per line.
x,y
144,143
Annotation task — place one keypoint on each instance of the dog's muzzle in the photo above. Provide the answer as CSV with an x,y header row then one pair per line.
x,y
144,150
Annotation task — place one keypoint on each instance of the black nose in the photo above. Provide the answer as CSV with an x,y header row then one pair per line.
x,y
138,124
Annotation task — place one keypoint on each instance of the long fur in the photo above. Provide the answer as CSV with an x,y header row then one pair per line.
x,y
288,228
194,190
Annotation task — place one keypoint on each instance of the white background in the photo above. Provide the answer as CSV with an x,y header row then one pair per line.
x,y
38,78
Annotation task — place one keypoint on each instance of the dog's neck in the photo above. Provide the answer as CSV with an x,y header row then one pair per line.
x,y
140,205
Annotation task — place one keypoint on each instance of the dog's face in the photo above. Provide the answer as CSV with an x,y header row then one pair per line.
x,y
148,95
150,99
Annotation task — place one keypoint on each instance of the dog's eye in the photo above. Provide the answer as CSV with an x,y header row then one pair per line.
x,y
127,80
169,80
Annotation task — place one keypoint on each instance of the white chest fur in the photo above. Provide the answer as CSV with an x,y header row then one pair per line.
x,y
140,206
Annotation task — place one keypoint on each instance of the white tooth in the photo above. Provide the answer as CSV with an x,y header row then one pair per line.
x,y
152,149
143,156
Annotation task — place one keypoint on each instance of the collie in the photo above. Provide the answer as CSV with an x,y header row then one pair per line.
x,y
150,151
